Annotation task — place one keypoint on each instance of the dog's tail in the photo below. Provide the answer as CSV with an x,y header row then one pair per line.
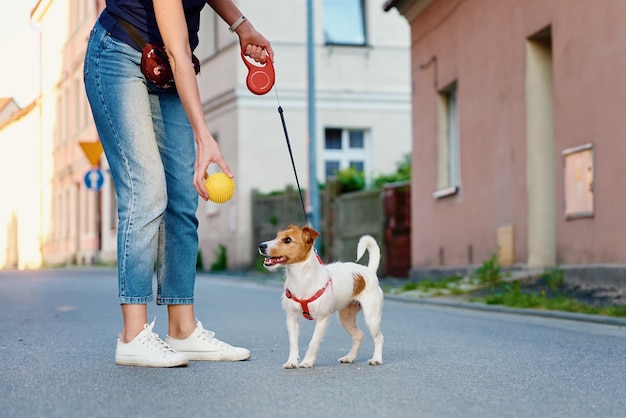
x,y
369,243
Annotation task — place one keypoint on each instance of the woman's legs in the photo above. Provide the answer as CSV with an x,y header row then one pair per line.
x,y
178,233
178,236
120,104
182,321
135,316
151,163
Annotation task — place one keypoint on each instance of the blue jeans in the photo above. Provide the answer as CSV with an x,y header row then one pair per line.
x,y
150,148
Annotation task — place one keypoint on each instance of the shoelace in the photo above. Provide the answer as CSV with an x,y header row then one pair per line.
x,y
210,335
152,341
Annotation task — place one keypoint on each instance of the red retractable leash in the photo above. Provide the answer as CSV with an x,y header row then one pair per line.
x,y
259,81
260,78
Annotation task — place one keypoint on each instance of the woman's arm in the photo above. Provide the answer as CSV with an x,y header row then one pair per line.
x,y
254,43
173,28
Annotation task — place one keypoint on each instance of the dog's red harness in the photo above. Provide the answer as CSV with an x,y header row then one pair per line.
x,y
305,303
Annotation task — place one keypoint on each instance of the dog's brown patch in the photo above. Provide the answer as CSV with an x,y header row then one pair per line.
x,y
358,284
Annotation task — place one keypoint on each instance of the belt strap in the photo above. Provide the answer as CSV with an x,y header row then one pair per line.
x,y
130,29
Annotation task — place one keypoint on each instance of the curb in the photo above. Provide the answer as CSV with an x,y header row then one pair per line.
x,y
598,319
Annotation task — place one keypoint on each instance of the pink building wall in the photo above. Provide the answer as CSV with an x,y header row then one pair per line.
x,y
481,44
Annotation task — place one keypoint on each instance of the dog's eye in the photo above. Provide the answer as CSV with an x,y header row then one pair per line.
x,y
287,240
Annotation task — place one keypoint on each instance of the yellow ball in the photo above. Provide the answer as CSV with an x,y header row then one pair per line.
x,y
220,187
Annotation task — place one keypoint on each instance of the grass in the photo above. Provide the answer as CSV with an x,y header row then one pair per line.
x,y
487,285
453,285
512,295
433,284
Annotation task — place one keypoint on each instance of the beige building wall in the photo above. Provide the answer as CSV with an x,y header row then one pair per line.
x,y
66,120
22,204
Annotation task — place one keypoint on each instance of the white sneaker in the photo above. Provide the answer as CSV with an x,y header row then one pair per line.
x,y
148,350
202,345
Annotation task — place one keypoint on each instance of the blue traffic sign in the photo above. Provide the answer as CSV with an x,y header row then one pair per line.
x,y
94,179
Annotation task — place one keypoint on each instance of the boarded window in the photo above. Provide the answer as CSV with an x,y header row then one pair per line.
x,y
579,181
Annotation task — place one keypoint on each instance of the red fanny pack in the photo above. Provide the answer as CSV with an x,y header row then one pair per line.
x,y
155,65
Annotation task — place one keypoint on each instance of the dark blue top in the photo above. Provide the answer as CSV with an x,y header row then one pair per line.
x,y
140,14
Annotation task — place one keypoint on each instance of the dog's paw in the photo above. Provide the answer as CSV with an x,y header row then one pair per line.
x,y
374,362
346,359
305,365
290,365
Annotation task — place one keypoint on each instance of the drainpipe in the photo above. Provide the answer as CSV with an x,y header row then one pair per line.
x,y
314,193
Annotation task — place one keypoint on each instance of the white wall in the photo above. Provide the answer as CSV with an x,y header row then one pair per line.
x,y
357,87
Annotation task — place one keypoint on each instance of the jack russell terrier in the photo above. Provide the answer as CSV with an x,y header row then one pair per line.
x,y
316,291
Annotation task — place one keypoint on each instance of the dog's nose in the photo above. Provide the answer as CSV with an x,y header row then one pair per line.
x,y
262,248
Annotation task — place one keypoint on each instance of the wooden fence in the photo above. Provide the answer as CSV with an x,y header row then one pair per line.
x,y
271,213
356,214
343,220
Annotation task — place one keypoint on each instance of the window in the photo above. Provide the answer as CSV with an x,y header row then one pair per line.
x,y
448,160
356,139
331,168
344,22
357,165
344,148
332,138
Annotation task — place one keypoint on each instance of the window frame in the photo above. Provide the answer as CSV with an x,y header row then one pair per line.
x,y
346,155
448,143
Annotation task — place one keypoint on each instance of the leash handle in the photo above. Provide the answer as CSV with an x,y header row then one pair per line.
x,y
260,78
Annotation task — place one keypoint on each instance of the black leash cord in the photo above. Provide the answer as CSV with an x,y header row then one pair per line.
x,y
293,164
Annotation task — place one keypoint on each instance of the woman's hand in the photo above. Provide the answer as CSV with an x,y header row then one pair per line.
x,y
253,43
207,152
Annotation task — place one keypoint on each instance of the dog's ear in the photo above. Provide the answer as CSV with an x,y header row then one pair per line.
x,y
310,234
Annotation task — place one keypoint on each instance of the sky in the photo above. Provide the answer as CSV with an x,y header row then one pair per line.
x,y
19,49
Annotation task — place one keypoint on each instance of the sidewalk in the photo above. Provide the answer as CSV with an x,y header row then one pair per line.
x,y
451,302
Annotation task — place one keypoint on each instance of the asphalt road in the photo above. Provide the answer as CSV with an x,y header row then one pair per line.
x,y
57,340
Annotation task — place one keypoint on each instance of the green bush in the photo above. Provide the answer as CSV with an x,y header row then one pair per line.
x,y
258,264
510,294
554,278
350,180
199,262
489,272
403,173
221,259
